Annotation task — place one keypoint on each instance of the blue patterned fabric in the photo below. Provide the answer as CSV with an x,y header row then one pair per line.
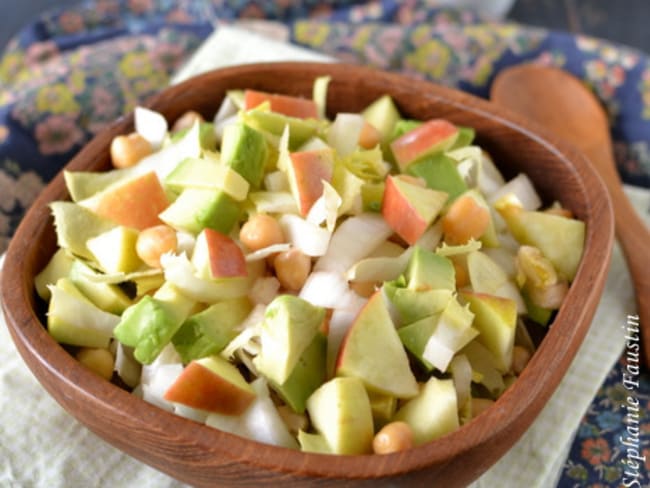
x,y
70,72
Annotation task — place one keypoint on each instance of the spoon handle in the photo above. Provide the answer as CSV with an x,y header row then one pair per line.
x,y
634,238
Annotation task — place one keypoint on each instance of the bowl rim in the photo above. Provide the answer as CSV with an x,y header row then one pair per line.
x,y
47,359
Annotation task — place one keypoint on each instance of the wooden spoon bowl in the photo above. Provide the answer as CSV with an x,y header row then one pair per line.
x,y
203,456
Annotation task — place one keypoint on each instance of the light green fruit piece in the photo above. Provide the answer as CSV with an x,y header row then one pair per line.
x,y
412,305
110,298
149,325
300,130
244,150
433,413
114,250
383,408
340,411
290,325
209,331
75,224
496,320
382,114
560,239
440,172
416,335
373,352
313,443
85,184
209,175
428,270
57,267
196,209
73,319
465,137
307,375
485,366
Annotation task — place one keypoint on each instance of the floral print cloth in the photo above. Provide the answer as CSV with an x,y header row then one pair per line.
x,y
71,72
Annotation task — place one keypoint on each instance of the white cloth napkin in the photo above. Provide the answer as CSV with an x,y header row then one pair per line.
x,y
42,446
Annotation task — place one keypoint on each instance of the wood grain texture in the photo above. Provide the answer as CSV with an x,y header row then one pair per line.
x,y
561,103
203,456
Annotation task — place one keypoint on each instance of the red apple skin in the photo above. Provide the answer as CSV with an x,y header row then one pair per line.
x,y
399,213
226,257
310,169
434,135
198,387
136,203
302,108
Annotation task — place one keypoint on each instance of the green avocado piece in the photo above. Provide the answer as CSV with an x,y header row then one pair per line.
x,y
197,208
108,297
307,375
207,135
416,335
465,137
382,114
428,270
289,327
244,150
440,172
403,126
413,305
206,333
149,325
300,130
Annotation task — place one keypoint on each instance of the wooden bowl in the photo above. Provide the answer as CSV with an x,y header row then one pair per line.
x,y
203,456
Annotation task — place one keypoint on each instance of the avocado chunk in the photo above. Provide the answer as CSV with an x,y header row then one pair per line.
x,y
300,130
57,267
207,135
289,327
428,270
208,174
244,150
197,208
206,333
149,325
307,375
440,172
412,305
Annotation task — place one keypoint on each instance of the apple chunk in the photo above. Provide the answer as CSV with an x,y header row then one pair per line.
x,y
284,104
218,256
306,172
212,384
434,136
135,203
410,208
373,352
340,411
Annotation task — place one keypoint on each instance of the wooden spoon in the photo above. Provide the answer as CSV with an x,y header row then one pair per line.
x,y
563,104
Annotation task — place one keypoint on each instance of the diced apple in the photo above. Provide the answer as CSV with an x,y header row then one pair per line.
x,y
409,208
135,203
292,106
436,135
340,411
115,250
216,255
496,319
307,171
433,413
373,352
212,384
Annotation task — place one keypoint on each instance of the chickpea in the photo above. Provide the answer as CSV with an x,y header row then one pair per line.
x,y
480,405
153,242
128,150
187,120
363,288
520,358
261,231
292,268
393,437
97,360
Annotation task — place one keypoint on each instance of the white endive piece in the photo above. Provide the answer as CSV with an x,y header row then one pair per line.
x,y
151,125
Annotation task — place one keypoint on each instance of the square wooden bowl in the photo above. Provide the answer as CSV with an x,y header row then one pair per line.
x,y
204,456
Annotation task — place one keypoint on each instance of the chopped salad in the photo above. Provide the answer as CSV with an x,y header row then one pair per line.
x,y
359,284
